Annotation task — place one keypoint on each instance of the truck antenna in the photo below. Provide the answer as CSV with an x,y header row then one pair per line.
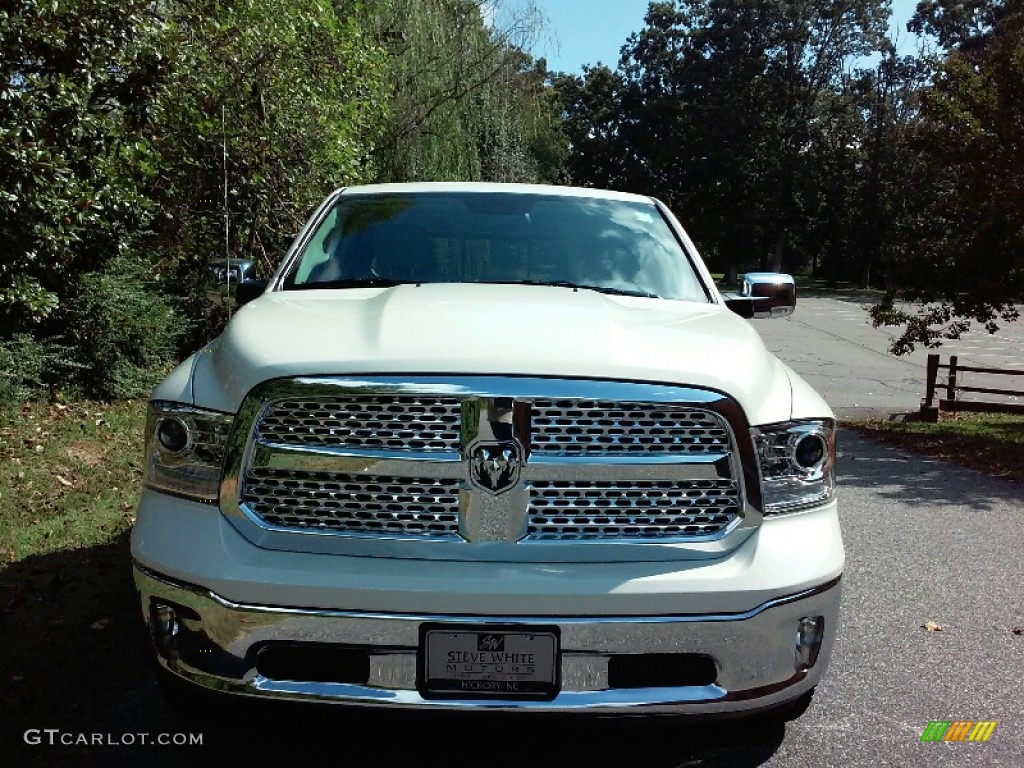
x,y
227,215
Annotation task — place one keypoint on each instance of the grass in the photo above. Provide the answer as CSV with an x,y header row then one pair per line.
x,y
69,475
988,442
69,481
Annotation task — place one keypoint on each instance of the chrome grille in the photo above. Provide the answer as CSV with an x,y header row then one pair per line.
x,y
561,510
390,456
609,428
354,504
380,422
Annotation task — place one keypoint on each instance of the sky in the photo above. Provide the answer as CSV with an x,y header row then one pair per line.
x,y
579,32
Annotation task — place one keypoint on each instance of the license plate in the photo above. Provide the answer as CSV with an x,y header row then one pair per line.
x,y
488,661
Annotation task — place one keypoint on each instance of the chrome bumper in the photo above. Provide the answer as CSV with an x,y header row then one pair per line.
x,y
217,643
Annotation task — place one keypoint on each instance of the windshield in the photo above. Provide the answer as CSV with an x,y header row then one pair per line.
x,y
504,237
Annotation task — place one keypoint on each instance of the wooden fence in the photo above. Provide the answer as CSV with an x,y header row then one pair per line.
x,y
953,402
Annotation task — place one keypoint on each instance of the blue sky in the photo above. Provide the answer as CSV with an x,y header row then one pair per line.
x,y
579,32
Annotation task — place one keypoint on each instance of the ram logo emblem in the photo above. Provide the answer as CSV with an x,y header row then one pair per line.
x,y
494,466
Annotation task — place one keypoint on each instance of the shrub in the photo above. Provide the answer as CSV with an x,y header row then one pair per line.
x,y
122,331
27,368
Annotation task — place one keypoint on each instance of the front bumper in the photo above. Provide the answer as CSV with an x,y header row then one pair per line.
x,y
218,644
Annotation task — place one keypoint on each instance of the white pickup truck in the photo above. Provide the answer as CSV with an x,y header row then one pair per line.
x,y
491,446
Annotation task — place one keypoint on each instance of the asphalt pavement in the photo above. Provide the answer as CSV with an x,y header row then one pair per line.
x,y
830,342
925,542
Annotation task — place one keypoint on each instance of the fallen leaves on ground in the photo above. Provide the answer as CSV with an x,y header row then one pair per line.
x,y
997,452
932,626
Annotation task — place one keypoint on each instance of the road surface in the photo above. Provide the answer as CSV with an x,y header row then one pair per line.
x,y
830,342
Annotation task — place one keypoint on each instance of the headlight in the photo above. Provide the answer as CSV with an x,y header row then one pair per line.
x,y
798,464
185,449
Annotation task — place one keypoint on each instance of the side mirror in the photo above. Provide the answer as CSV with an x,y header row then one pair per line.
x,y
741,305
771,294
223,279
249,290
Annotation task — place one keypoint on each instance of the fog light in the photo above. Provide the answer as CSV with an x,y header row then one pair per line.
x,y
809,633
165,625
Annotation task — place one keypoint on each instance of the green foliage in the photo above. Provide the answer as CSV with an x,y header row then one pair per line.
x,y
466,102
123,331
956,22
168,135
26,368
752,121
76,83
119,333
593,108
279,100
963,254
718,108
77,86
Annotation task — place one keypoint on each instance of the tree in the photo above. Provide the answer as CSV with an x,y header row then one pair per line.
x,y
139,141
964,260
720,104
956,23
466,103
77,85
593,113
865,183
114,121
79,82
273,102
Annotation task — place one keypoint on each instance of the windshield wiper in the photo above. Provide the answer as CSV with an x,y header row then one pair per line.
x,y
362,282
620,291
579,287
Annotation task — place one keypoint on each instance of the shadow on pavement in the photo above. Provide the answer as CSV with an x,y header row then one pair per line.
x,y
377,739
850,295
75,658
902,476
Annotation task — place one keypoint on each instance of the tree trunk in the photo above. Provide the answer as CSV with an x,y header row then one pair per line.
x,y
780,245
865,275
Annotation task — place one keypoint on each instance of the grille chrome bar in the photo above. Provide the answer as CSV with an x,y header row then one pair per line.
x,y
453,467
325,459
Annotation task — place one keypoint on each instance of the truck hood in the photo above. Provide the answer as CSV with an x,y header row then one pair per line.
x,y
464,329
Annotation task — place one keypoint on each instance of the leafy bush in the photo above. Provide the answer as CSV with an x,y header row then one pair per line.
x,y
27,368
122,332
270,102
181,130
76,82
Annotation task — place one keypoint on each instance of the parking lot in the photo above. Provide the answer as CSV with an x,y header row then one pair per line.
x,y
830,342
